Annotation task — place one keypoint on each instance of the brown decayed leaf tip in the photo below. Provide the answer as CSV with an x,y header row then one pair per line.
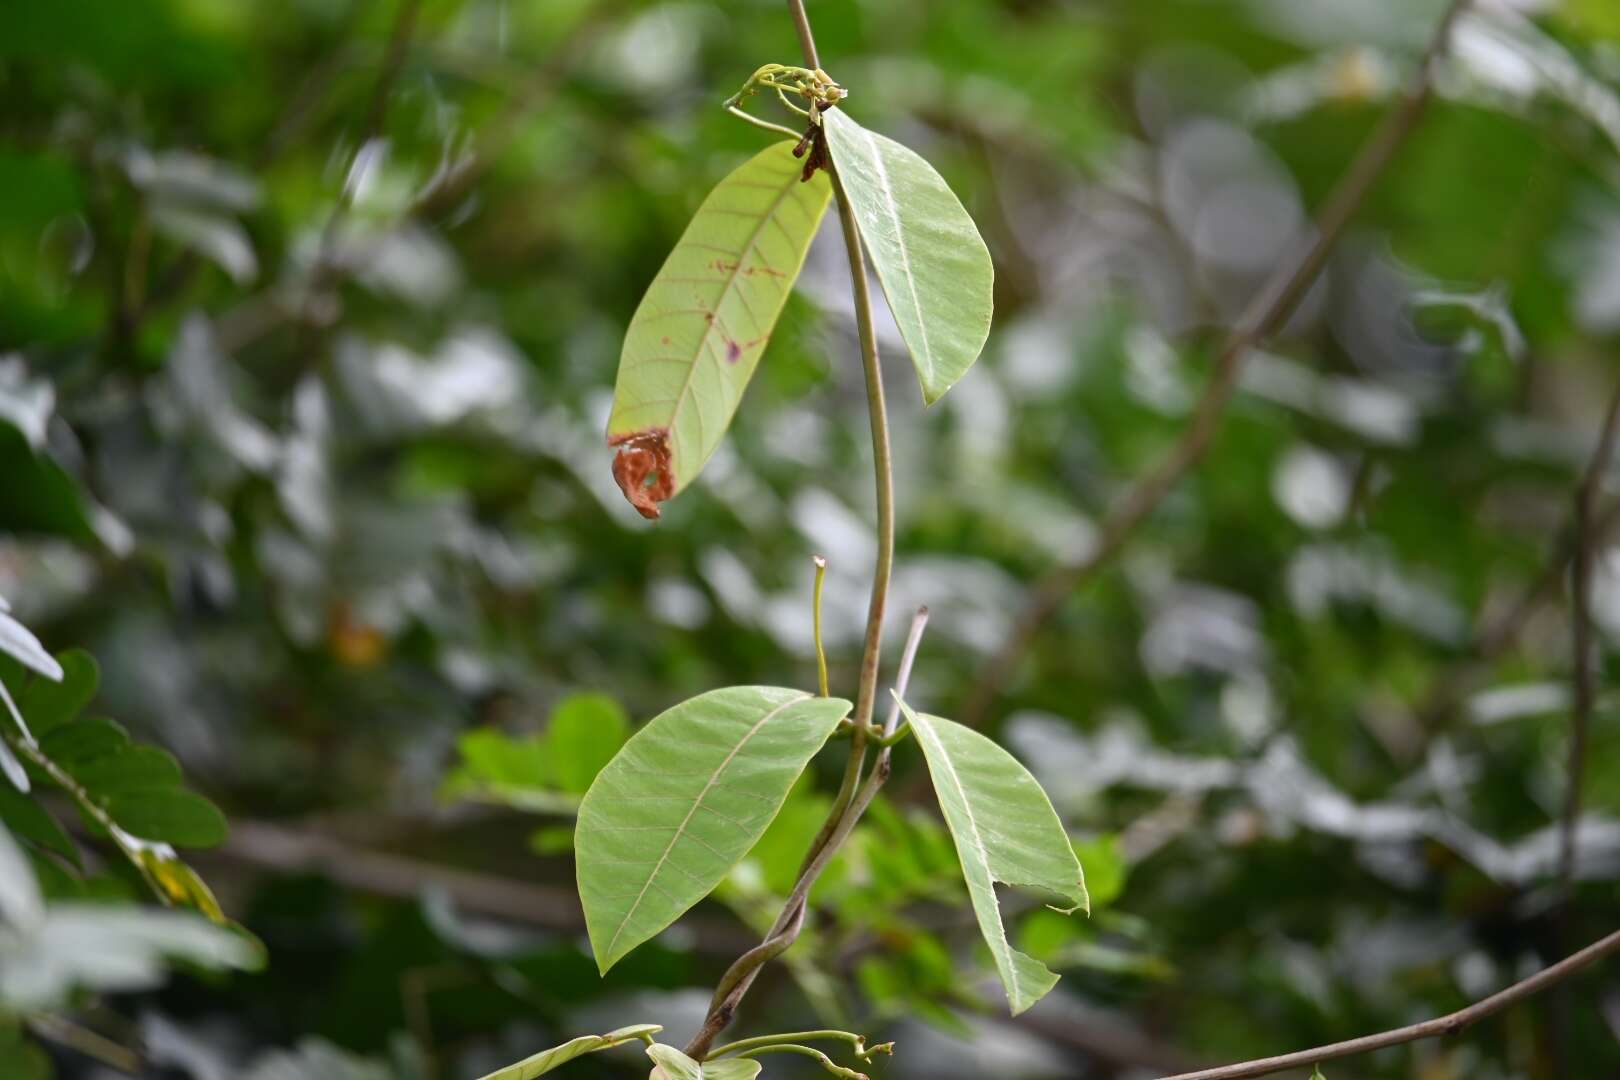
x,y
641,468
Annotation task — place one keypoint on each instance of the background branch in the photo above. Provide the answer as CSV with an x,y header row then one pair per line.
x,y
1449,1024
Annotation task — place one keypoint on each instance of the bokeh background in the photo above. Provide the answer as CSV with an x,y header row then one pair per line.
x,y
309,315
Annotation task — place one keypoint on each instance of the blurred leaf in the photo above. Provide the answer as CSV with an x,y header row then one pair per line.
x,y
546,1060
935,269
48,705
20,1059
109,948
1105,868
170,817
704,323
32,822
79,743
16,640
585,731
316,1059
685,799
21,905
1005,830
15,774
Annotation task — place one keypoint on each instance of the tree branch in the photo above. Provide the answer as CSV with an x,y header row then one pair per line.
x,y
1449,1024
1269,310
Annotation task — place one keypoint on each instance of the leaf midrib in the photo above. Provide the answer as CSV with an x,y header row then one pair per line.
x,y
1000,946
893,209
703,343
680,830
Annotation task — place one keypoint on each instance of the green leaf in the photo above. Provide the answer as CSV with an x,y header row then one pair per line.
x,y
674,1065
1005,830
48,705
546,1060
135,768
695,340
686,798
183,818
1106,868
84,741
586,731
32,822
934,267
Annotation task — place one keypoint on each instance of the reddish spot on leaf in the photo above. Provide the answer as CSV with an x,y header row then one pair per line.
x,y
641,469
733,352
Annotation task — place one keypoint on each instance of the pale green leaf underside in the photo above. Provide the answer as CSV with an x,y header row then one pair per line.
x,y
546,1060
684,801
934,267
1005,830
677,1066
695,340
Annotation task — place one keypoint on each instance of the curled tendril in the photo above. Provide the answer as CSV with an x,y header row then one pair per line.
x,y
813,85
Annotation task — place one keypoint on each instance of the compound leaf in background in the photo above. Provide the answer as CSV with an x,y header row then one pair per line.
x,y
546,1060
703,323
686,798
934,266
674,1065
1005,830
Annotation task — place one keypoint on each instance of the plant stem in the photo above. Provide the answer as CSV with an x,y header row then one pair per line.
x,y
1428,1029
1270,309
853,797
810,1052
822,1035
815,620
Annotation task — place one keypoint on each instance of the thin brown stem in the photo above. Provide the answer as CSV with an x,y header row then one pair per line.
x,y
1449,1024
853,796
1269,310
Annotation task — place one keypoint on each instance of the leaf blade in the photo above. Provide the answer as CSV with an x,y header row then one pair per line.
x,y
675,1065
697,336
1005,830
931,261
547,1060
684,801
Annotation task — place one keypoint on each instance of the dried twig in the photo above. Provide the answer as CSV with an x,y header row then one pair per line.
x,y
1449,1024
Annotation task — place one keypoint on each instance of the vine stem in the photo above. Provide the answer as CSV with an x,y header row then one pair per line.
x,y
1270,309
1449,1024
853,796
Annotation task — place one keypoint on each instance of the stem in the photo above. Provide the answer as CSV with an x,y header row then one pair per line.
x,y
815,620
810,1052
1449,1024
902,679
1269,310
822,1035
765,125
853,798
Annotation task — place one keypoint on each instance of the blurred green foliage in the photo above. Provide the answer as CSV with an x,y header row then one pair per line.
x,y
308,324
